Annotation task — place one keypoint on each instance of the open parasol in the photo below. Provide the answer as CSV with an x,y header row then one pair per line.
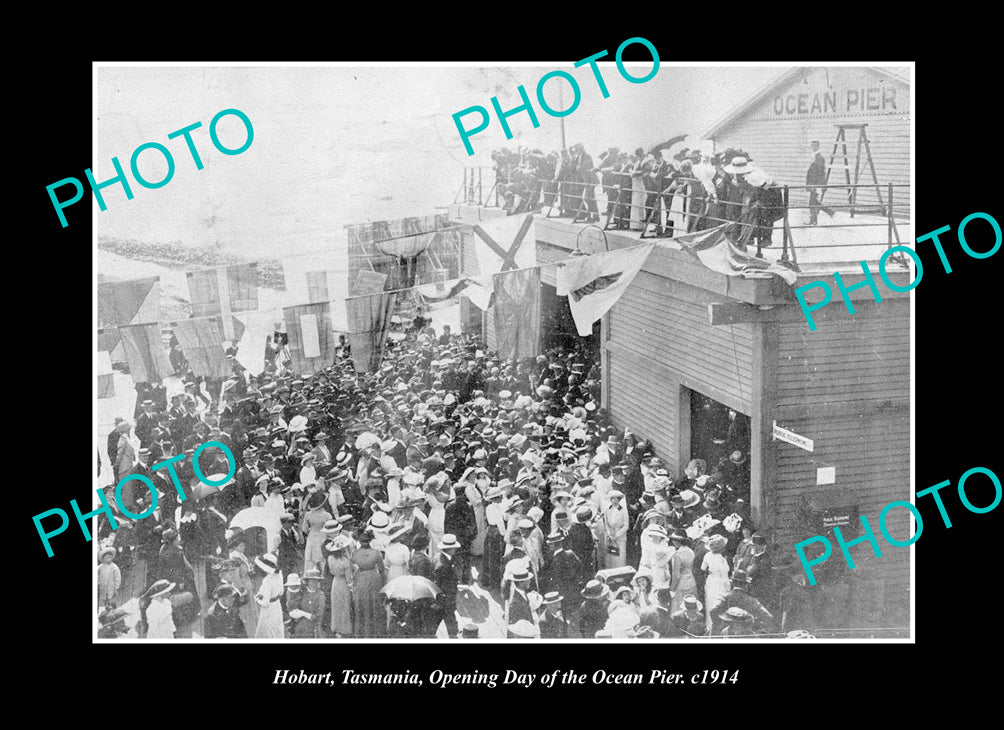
x,y
410,588
366,439
197,490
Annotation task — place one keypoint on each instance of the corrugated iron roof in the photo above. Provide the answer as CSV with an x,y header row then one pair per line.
x,y
896,73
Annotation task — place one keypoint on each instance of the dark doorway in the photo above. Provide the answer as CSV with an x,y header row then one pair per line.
x,y
557,328
716,431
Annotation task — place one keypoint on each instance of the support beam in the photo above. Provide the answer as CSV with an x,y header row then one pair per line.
x,y
738,313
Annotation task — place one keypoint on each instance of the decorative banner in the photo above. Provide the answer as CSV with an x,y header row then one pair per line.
x,y
106,376
517,313
717,252
258,327
368,282
145,352
369,319
594,283
309,335
224,290
318,277
201,340
477,289
311,348
126,302
505,244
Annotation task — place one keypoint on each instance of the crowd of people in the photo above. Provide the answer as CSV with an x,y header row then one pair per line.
x,y
725,187
406,502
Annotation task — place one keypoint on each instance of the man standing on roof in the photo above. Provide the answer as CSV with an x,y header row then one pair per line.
x,y
815,178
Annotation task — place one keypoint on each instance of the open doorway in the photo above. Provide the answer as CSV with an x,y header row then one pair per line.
x,y
716,433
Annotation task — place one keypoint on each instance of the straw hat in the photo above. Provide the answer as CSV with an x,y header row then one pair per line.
x,y
268,563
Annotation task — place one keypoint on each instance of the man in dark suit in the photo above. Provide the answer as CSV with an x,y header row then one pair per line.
x,y
459,520
145,422
113,441
553,624
739,597
815,178
659,617
446,579
585,175
223,620
582,543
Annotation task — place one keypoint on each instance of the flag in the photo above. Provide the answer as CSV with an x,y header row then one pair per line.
x,y
201,340
368,282
517,313
106,376
368,320
145,352
125,302
224,290
311,339
258,327
477,289
717,252
321,276
594,283
504,244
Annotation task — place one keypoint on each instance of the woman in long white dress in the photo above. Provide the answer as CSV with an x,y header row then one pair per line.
x,y
437,514
159,618
271,590
397,557
475,490
615,520
717,568
658,556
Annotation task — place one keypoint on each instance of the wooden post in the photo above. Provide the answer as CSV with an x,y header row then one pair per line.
x,y
763,469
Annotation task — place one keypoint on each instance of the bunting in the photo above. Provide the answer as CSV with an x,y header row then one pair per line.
x,y
368,282
318,277
106,376
224,290
477,289
368,320
717,252
253,342
125,302
201,340
145,352
594,283
311,339
517,313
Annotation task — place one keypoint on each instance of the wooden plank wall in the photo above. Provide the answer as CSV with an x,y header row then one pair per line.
x,y
847,387
779,142
659,340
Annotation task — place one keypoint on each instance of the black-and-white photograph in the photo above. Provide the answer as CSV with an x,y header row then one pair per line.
x,y
488,352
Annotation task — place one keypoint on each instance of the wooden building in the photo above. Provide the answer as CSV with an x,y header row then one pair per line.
x,y
683,336
803,104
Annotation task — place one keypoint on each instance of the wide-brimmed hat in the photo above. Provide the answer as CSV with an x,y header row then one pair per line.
x,y
691,604
717,542
738,615
615,494
312,574
160,588
737,457
104,551
112,616
339,542
316,500
268,563
555,537
332,527
690,498
225,589
739,166
552,597
583,514
449,542
595,589
293,580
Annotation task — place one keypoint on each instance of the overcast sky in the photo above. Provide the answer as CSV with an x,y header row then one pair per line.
x,y
340,145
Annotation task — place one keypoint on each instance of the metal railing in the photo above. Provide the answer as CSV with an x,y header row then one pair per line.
x,y
752,221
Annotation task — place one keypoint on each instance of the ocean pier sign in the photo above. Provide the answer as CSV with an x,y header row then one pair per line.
x,y
875,98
